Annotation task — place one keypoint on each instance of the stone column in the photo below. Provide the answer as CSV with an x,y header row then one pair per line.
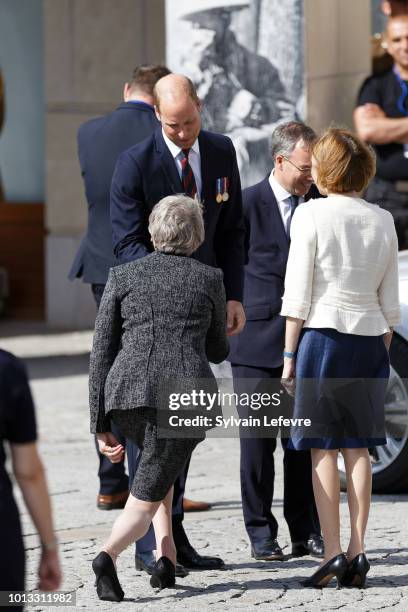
x,y
90,50
337,58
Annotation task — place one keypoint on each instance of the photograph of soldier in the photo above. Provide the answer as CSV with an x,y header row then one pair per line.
x,y
242,82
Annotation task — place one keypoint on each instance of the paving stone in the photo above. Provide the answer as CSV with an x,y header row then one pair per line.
x,y
59,385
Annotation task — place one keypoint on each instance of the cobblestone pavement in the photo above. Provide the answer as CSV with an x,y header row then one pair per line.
x,y
58,367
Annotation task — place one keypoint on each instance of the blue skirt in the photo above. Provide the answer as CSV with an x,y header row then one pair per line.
x,y
341,383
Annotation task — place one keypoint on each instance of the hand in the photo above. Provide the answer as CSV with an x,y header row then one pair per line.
x,y
235,318
49,571
388,339
110,447
288,379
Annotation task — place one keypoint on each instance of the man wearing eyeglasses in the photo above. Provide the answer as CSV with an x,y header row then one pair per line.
x,y
257,354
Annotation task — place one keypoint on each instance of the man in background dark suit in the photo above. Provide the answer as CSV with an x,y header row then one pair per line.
x,y
257,354
180,157
100,142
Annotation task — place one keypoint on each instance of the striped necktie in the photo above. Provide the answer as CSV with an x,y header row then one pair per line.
x,y
187,175
294,201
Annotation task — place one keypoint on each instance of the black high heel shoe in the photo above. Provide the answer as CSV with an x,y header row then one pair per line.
x,y
164,574
107,583
356,573
336,567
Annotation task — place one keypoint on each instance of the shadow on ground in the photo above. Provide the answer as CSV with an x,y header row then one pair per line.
x,y
57,366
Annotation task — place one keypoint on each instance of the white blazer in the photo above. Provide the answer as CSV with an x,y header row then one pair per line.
x,y
342,269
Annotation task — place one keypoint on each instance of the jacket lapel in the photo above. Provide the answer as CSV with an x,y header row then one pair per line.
x,y
168,163
272,210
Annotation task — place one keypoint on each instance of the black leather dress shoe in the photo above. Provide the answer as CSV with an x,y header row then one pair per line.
x,y
146,562
314,546
188,557
267,550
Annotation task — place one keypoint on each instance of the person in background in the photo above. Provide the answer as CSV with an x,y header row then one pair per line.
x,y
18,429
381,59
340,303
162,317
393,8
256,354
381,119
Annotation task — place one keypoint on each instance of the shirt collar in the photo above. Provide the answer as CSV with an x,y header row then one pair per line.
x,y
141,103
175,150
280,192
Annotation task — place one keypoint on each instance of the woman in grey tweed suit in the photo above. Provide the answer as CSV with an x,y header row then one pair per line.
x,y
161,318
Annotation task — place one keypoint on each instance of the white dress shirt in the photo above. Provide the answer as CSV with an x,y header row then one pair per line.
x,y
194,159
283,199
342,269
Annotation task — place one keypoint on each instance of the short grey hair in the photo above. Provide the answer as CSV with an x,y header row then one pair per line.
x,y
176,225
286,135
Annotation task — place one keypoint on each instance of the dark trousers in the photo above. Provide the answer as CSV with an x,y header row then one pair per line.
x,y
257,470
12,561
112,476
386,195
148,542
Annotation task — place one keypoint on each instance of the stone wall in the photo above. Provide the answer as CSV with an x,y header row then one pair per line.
x,y
337,58
90,50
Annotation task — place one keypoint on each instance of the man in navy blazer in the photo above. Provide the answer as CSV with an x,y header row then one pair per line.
x,y
180,157
149,171
256,355
100,142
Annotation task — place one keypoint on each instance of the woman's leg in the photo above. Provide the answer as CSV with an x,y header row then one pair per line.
x,y
358,472
131,525
162,523
326,487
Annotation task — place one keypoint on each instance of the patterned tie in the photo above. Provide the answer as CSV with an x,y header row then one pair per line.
x,y
294,201
187,176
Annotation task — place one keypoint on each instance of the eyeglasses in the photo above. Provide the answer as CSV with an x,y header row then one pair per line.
x,y
304,170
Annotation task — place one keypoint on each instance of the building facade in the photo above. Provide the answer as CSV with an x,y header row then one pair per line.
x,y
315,53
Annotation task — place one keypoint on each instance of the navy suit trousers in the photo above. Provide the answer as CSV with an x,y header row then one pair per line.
x,y
257,470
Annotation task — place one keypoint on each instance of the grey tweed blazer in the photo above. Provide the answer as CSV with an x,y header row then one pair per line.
x,y
161,317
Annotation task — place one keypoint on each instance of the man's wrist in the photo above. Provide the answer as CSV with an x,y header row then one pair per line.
x,y
289,354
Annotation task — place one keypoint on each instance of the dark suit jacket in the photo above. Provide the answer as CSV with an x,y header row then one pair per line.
x,y
266,253
161,318
147,172
100,142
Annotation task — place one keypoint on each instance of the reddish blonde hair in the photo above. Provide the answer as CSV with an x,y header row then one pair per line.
x,y
344,162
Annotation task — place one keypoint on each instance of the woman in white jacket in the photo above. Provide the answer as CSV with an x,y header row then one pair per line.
x,y
341,303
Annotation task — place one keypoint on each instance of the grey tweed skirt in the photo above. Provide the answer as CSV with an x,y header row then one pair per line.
x,y
162,459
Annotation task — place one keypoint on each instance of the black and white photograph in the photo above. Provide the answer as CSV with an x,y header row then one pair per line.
x,y
246,59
